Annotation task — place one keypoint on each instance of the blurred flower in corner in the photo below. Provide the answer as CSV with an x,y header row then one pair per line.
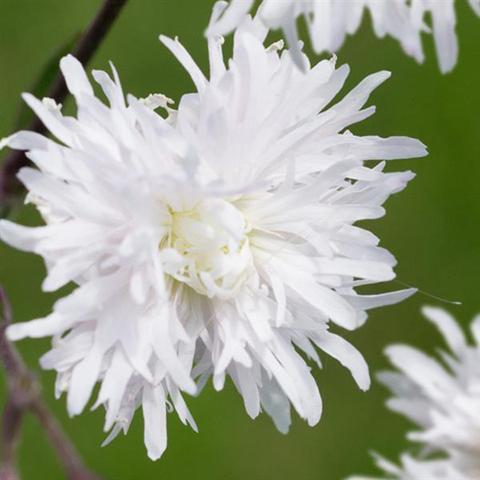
x,y
442,397
213,240
330,21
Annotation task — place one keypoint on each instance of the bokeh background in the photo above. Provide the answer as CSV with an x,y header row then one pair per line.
x,y
432,228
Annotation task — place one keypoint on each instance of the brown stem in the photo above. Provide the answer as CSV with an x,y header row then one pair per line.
x,y
24,396
9,357
11,421
10,187
66,451
7,472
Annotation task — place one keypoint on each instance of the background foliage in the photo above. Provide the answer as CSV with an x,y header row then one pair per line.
x,y
432,228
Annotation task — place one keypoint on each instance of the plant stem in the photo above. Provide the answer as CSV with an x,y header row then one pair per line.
x,y
23,397
11,421
65,449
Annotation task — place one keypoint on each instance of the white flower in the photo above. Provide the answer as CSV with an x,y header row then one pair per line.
x,y
217,241
330,21
411,468
443,23
442,397
100,191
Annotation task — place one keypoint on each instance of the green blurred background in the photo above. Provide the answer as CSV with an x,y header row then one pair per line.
x,y
432,228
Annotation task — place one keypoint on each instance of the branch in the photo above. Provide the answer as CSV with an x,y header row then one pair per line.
x,y
65,449
23,397
10,187
11,420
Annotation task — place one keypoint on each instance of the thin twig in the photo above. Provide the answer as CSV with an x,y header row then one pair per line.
x,y
24,397
65,449
87,45
11,421
10,358
12,414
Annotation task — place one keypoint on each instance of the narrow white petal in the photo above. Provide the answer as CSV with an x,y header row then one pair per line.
x,y
155,421
75,76
447,326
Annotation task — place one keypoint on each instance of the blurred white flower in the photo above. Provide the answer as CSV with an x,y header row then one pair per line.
x,y
330,21
411,468
442,397
443,22
217,241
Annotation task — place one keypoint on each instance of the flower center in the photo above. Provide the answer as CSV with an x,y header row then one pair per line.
x,y
208,248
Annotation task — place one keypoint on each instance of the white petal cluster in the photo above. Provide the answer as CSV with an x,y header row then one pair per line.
x,y
442,397
330,21
215,241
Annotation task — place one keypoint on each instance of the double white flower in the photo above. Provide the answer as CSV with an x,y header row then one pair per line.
x,y
330,21
216,240
443,399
